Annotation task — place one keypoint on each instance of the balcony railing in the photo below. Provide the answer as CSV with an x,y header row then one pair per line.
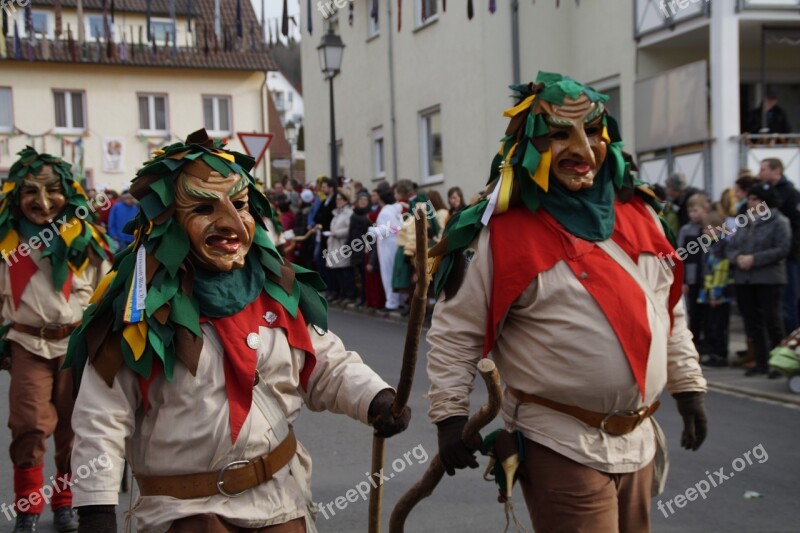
x,y
753,148
651,16
793,5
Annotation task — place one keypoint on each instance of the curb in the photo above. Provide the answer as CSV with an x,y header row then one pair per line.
x,y
788,398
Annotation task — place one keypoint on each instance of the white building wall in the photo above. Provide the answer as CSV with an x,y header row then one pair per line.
x,y
462,66
292,106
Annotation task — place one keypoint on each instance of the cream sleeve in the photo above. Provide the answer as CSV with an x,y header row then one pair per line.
x,y
457,334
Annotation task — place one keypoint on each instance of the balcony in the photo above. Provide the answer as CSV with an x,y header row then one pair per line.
x,y
753,148
791,5
651,16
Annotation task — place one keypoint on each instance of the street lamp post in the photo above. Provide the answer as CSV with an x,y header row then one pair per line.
x,y
291,135
331,49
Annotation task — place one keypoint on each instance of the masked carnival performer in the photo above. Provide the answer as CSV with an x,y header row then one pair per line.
x,y
53,260
196,355
565,275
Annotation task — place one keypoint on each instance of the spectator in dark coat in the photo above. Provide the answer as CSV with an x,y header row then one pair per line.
x,y
759,250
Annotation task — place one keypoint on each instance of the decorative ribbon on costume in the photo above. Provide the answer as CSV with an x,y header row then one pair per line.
x,y
23,270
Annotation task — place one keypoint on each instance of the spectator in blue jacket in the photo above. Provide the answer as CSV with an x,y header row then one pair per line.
x,y
123,212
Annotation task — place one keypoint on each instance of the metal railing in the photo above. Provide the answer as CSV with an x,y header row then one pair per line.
x,y
753,148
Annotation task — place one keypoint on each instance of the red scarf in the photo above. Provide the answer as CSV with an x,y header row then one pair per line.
x,y
525,245
21,272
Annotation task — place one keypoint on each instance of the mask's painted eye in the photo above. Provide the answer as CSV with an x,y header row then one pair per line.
x,y
239,204
591,131
203,209
559,135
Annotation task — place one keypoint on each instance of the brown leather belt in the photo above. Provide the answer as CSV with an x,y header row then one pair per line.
x,y
616,423
50,332
232,480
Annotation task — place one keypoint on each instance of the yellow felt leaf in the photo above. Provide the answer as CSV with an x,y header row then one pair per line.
x,y
71,230
80,190
158,152
81,268
606,137
136,337
542,176
102,287
226,157
520,107
10,242
8,187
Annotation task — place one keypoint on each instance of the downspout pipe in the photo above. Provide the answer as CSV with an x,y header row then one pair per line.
x,y
392,103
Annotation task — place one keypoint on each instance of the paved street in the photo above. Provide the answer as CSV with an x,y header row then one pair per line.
x,y
341,450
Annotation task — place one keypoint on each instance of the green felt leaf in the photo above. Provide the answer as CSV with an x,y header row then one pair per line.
x,y
313,306
184,312
155,342
217,164
173,249
531,160
288,301
165,189
151,205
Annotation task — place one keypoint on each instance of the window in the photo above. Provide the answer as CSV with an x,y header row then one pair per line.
x,y
41,23
70,114
159,29
152,113
373,20
378,160
217,115
94,27
6,111
426,11
430,129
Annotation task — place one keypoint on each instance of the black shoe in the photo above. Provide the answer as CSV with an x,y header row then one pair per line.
x,y
774,374
65,519
712,360
26,523
754,372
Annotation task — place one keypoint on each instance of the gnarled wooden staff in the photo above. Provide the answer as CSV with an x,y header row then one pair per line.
x,y
424,487
416,317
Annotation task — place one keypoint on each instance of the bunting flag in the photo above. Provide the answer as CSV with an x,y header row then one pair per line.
x,y
57,8
252,37
81,35
73,53
470,10
29,20
148,16
399,14
3,50
5,22
270,34
285,19
217,23
424,10
444,6
45,48
350,14
492,6
141,42
205,39
174,18
239,32
309,18
123,50
107,31
373,12
189,17
112,10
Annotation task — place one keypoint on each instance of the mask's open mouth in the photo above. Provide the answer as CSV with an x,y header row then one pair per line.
x,y
227,244
578,167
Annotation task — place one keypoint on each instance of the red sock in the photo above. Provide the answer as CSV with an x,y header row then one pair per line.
x,y
62,494
28,489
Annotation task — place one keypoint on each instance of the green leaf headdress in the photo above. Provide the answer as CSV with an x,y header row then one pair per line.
x,y
145,310
78,241
520,171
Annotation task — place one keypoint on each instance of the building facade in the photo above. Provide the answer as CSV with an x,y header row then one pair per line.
x,y
106,103
426,102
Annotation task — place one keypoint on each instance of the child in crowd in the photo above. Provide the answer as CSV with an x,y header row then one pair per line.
x,y
713,301
697,207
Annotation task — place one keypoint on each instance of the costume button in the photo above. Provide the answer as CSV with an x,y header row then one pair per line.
x,y
253,341
584,275
270,317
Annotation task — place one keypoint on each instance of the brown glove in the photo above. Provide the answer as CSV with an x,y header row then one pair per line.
x,y
5,363
381,418
453,452
695,422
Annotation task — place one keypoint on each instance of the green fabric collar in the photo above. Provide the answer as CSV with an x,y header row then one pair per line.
x,y
30,229
221,294
589,213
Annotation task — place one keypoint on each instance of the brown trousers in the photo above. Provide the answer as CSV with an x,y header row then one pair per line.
x,y
40,404
565,496
211,523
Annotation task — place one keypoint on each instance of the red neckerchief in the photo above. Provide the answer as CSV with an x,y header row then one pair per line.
x,y
525,245
240,360
23,270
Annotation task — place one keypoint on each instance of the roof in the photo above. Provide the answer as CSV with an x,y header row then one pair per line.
x,y
279,147
255,58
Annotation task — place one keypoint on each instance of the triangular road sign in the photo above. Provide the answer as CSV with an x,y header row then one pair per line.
x,y
255,144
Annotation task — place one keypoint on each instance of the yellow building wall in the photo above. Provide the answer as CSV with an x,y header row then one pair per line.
x,y
112,109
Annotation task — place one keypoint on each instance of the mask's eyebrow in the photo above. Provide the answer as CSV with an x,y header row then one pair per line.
x,y
595,113
196,193
558,122
239,187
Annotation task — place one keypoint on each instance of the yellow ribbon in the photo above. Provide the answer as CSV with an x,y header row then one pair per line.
x,y
136,337
542,175
226,157
102,287
606,137
8,187
520,107
506,182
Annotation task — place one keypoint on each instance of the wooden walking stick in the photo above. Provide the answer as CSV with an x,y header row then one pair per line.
x,y
433,475
416,317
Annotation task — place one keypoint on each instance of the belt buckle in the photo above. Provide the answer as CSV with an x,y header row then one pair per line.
x,y
624,412
48,327
220,482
